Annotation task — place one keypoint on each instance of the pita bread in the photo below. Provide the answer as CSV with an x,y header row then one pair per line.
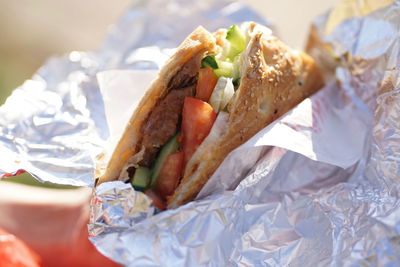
x,y
274,79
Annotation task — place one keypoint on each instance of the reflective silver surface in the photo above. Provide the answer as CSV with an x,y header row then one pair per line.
x,y
54,125
290,210
286,209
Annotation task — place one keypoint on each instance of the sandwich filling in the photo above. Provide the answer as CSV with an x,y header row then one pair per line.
x,y
182,119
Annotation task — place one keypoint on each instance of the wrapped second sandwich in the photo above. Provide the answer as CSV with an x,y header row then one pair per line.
x,y
215,93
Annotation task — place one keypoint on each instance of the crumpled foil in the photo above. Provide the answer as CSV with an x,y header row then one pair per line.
x,y
288,210
54,125
340,217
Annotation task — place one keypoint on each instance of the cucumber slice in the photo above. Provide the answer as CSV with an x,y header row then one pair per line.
x,y
237,41
209,61
170,147
236,37
233,53
141,178
224,69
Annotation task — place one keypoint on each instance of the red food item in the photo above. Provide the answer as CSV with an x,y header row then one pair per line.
x,y
198,118
15,253
206,83
158,202
170,173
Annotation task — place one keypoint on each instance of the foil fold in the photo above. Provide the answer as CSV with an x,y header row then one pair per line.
x,y
340,217
54,125
287,209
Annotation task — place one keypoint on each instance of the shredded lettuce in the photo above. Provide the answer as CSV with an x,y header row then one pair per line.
x,y
222,94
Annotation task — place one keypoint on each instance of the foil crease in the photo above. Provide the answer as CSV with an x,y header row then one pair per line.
x,y
54,125
123,206
340,217
287,210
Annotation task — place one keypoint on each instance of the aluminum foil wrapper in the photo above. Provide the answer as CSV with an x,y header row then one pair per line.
x,y
327,195
54,125
289,209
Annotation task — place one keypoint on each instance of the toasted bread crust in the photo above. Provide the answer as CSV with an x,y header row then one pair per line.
x,y
274,79
199,41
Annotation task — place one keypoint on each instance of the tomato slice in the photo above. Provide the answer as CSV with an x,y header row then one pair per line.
x,y
206,83
197,120
158,202
169,175
14,252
